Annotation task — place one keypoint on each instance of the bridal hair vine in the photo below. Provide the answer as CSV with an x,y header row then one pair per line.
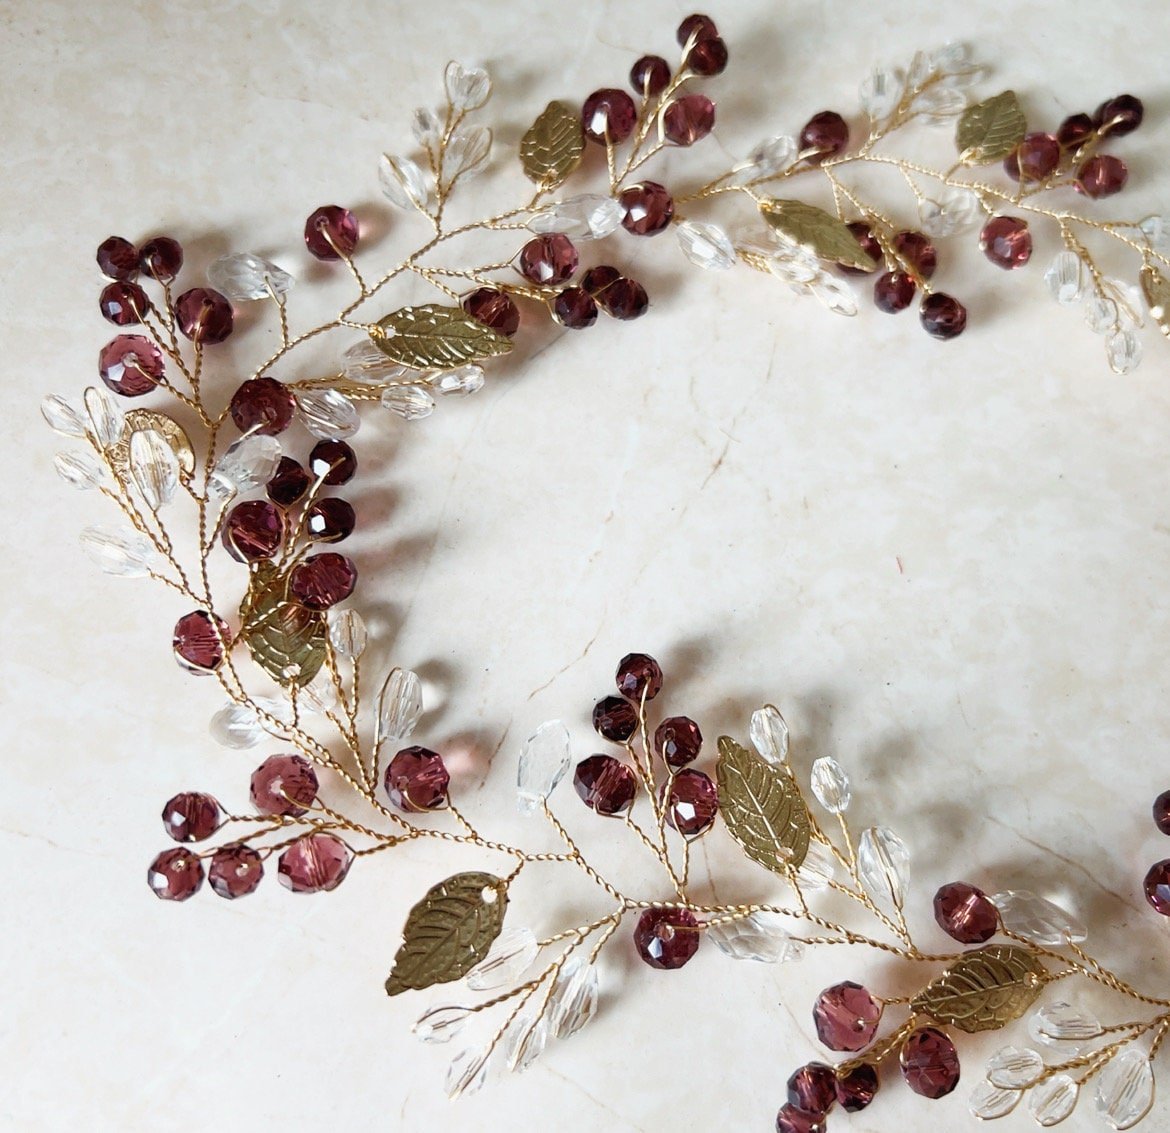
x,y
346,782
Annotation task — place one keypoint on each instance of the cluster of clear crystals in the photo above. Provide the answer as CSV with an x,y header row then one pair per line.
x,y
1112,309
800,268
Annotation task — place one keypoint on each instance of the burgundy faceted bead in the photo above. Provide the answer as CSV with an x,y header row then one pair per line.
x,y
198,647
323,580
708,57
204,316
263,405
827,133
1119,116
330,520
615,718
284,785
1075,130
117,258
235,871
175,875
331,232
1157,887
1006,241
813,1088
942,316
793,1120
688,119
858,1088
1034,159
965,913
316,863
1162,812
254,530
599,279
930,1063
575,308
131,365
649,208
609,113
846,1016
289,482
650,76
667,938
698,26
417,780
864,236
678,741
161,258
625,299
893,291
549,259
606,785
191,816
495,309
691,802
333,461
918,251
123,303
638,676
1101,176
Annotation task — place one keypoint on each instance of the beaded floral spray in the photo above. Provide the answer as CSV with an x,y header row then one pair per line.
x,y
289,654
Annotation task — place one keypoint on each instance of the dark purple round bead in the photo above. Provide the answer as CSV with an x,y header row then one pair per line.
x,y
117,258
123,303
615,718
161,258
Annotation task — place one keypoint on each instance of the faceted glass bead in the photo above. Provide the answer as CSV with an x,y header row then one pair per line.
x,y
468,151
615,718
1065,278
236,726
917,250
1036,158
831,786
403,182
930,1063
893,291
321,581
411,403
1101,313
154,468
199,643
123,304
328,414
254,530
331,232
494,309
235,871
1157,887
609,114
131,365
316,863
813,1088
117,258
284,785
1123,349
204,316
650,76
1061,1022
1052,1100
649,208
883,863
512,954
688,119
1119,116
120,550
544,760
706,245
416,780
330,520
989,1101
440,1024
770,157
161,258
575,309
950,212
468,1072
549,259
1006,241
263,405
461,381
825,134
468,88
697,27
573,1001
245,276
526,1040
678,741
625,299
942,316
769,735
106,419
858,1088
1125,1089
835,295
818,869
691,802
881,91
191,816
605,784
760,936
365,364
667,938
61,416
793,1120
1161,812
708,57
1037,919
965,914
347,633
333,461
589,216
400,706
638,676
79,469
288,484
246,464
1014,1068
846,1017
175,875
1075,130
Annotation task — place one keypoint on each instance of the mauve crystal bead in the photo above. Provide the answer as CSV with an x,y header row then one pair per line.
x,y
204,316
254,530
1162,812
323,580
648,208
688,119
1157,886
117,258
416,780
650,76
198,647
175,875
793,1120
289,482
606,785
1119,116
813,1088
698,26
846,1017
856,1089
316,863
1075,130
1034,159
708,57
284,786
678,741
638,676
131,365
965,913
161,258
333,461
575,308
331,232
330,520
1006,241
918,251
598,280
893,291
263,405
1101,176
609,113
864,236
123,303
548,259
615,718
691,802
827,133
235,871
667,938
191,816
624,299
942,316
930,1063
494,309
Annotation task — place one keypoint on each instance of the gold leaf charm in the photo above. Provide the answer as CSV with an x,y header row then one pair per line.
x,y
433,337
819,231
138,420
1156,288
553,146
449,931
990,130
983,990
287,641
763,808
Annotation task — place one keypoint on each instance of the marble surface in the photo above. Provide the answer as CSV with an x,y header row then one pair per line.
x,y
946,563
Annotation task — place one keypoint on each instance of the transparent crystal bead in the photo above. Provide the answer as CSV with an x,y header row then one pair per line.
x,y
411,403
1125,1089
771,156
236,726
403,182
950,212
817,870
1063,1022
883,863
544,759
79,470
587,217
951,59
364,363
319,696
105,417
835,294
468,151
468,88
1037,919
1123,348
769,735
881,91
468,1071
706,245
1053,1100
440,1024
510,957
426,126
154,467
1014,1068
1065,278
989,1101
245,276
1156,230
399,707
831,786
525,1041
120,550
761,937
460,382
573,1001
921,69
1101,313
246,464
939,105
347,633
328,414
61,416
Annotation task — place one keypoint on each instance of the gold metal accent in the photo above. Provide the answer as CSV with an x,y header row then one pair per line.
x,y
434,337
984,990
287,641
819,231
1156,289
139,420
553,146
990,130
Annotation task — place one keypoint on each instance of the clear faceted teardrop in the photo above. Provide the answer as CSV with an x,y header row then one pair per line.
x,y
1123,349
403,182
1065,278
586,217
399,706
818,868
510,957
1062,1022
1125,1089
347,633
881,90
120,551
411,403
883,863
544,759
440,1024
154,466
831,786
836,295
769,735
106,418
989,1102
245,276
328,414
467,152
468,88
525,1041
761,937
236,726
1053,1100
1014,1068
246,464
79,470
364,363
426,126
949,212
468,1071
61,416
573,1001
1037,919
706,245
459,382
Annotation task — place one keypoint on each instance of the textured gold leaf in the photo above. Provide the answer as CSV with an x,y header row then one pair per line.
x,y
287,641
553,146
138,420
990,130
449,931
1156,288
819,231
763,808
433,337
983,990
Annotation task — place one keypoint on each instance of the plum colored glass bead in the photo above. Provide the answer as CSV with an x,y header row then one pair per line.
x,y
650,76
331,232
204,316
263,405
649,208
813,1088
494,309
965,913
323,580
678,741
330,520
691,802
284,785
698,26
1075,130
846,1017
575,308
289,482
943,316
609,113
598,280
858,1088
235,871
123,303
827,133
606,785
197,645
638,676
1101,176
1006,241
1162,812
793,1120
667,938
191,816
131,365
615,718
1119,116
254,530
161,258
708,57
688,119
417,780
333,461
175,875
893,292
930,1063
1157,886
864,236
918,251
1034,159
117,258
316,863
548,259
625,299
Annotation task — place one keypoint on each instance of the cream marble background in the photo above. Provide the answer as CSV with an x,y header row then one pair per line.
x,y
730,484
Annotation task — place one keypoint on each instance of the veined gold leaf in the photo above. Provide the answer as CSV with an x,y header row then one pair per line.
x,y
433,337
990,130
287,641
449,931
1156,288
819,231
983,990
138,420
763,808
553,146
